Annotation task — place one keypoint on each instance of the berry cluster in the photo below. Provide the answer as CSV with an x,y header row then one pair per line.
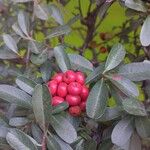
x,y
70,87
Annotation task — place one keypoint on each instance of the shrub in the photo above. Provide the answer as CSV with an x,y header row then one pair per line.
x,y
35,46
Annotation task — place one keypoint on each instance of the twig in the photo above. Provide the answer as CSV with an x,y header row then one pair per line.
x,y
44,142
28,51
89,7
80,8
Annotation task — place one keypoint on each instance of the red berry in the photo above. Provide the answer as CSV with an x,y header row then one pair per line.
x,y
56,100
80,78
58,77
83,106
74,88
93,44
73,100
84,93
103,49
69,76
52,85
75,111
102,36
62,89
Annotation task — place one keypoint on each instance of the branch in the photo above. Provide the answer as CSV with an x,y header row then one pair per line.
x,y
90,22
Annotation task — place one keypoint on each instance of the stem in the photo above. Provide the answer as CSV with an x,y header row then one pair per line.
x,y
44,142
89,7
29,38
27,58
80,10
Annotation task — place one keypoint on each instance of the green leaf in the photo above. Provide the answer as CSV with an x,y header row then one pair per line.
x,y
41,11
137,5
80,145
19,140
63,145
124,84
103,11
36,133
56,14
18,121
115,57
131,13
3,121
10,70
105,145
58,31
63,128
18,30
145,32
4,144
52,144
75,121
6,53
135,142
40,58
3,132
122,132
15,95
134,107
136,71
74,19
35,47
46,71
80,63
62,58
147,88
25,84
10,43
23,21
97,100
110,114
117,95
21,1
91,145
96,74
143,127
41,101
34,141
125,146
61,107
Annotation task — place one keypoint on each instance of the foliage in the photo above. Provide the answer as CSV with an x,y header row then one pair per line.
x,y
35,45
